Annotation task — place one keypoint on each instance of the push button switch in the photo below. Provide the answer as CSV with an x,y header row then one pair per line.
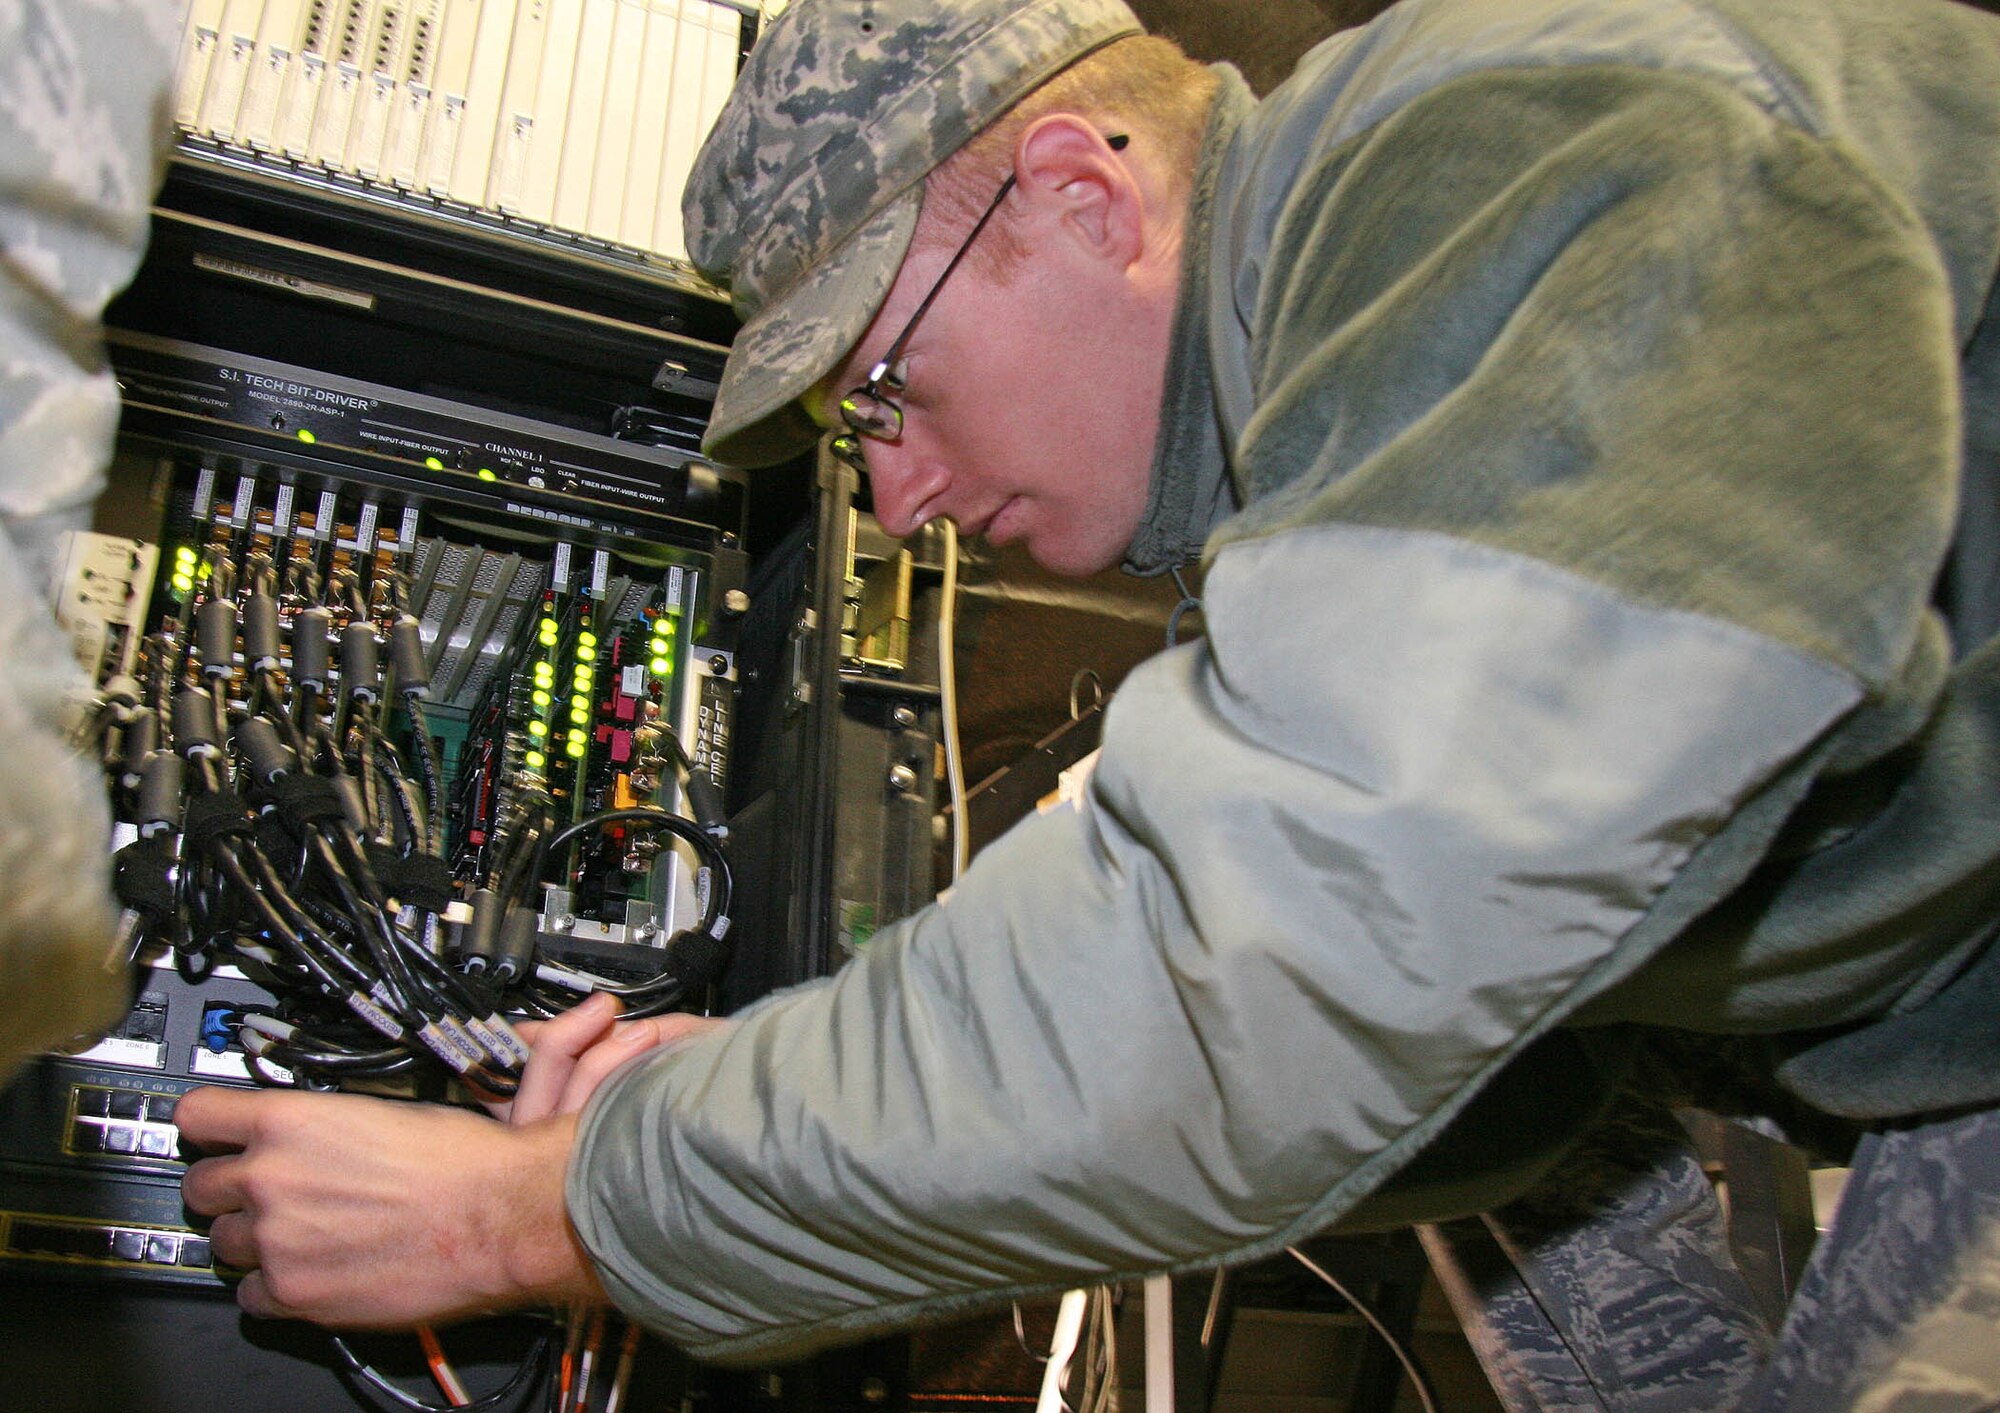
x,y
92,1102
127,1105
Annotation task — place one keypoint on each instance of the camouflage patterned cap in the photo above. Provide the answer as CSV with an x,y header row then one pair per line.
x,y
804,197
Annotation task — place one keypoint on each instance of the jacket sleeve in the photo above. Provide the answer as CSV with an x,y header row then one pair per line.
x,y
83,120
1484,714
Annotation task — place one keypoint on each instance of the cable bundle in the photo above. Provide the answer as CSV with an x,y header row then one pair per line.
x,y
280,830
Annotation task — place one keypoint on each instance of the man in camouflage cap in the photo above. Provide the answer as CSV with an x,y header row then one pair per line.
x,y
808,202
1571,401
804,197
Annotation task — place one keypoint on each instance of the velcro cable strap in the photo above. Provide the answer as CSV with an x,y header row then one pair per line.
x,y
142,876
305,800
212,817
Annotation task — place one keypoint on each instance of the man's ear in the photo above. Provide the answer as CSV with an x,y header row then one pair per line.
x,y
1068,173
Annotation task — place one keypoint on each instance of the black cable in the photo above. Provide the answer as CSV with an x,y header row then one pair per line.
x,y
531,1368
663,991
416,827
391,969
303,921
276,925
520,864
377,1064
722,882
428,773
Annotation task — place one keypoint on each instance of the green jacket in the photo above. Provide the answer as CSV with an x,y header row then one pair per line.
x,y
1570,399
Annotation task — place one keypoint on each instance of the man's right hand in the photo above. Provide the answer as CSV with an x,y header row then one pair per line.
x,y
381,1214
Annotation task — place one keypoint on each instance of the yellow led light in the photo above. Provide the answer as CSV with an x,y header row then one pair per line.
x,y
183,583
434,463
486,475
579,713
585,641
306,436
538,728
583,679
539,697
660,667
575,750
535,760
184,555
545,673
661,647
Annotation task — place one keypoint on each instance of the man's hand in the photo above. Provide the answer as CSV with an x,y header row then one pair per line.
x,y
371,1213
575,1052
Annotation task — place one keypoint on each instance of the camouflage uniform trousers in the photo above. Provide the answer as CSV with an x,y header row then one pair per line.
x,y
1612,1286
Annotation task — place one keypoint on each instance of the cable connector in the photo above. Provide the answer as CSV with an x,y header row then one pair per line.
x,y
218,1030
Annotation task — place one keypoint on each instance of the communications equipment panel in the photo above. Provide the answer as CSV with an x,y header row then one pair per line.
x,y
408,505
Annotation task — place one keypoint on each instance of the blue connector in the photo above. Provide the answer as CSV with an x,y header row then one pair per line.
x,y
218,1029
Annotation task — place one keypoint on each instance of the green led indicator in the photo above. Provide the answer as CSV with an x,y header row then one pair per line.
x,y
586,641
488,475
660,667
661,647
579,713
538,729
575,750
184,583
433,463
306,436
540,698
535,760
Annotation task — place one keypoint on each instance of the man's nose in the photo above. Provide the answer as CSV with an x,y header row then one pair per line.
x,y
903,487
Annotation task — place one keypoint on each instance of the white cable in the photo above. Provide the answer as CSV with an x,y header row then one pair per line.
x,y
954,766
1159,1344
1062,1348
1107,1336
1402,1355
269,1025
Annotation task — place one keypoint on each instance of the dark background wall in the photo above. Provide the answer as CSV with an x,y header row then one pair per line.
x,y
1263,38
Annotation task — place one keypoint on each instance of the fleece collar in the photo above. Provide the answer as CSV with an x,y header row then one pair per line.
x,y
1191,491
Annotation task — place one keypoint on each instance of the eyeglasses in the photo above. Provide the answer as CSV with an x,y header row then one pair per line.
x,y
870,411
